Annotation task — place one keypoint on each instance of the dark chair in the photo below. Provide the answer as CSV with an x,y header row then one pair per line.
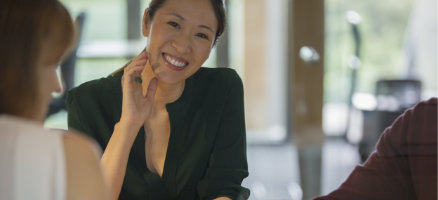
x,y
68,69
401,93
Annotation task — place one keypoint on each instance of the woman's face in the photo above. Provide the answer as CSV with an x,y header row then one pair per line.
x,y
180,38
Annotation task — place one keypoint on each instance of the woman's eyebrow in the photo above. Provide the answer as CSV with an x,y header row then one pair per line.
x,y
177,15
206,27
200,26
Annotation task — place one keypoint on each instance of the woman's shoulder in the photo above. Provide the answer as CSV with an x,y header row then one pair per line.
x,y
80,147
216,72
81,143
98,86
27,129
82,157
217,75
95,90
215,84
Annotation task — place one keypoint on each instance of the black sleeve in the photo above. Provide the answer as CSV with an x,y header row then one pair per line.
x,y
228,163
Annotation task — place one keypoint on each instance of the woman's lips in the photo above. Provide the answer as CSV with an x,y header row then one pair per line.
x,y
173,62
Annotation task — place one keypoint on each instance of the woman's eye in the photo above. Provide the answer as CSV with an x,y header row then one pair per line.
x,y
173,24
202,35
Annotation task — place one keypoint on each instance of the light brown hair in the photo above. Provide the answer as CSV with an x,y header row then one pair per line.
x,y
28,29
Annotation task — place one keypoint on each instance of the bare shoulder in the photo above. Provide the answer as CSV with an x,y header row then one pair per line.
x,y
81,144
84,176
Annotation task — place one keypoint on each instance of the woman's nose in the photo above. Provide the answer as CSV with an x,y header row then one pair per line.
x,y
58,88
182,43
56,84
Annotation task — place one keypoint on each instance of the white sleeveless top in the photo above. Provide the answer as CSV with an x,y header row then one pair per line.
x,y
32,163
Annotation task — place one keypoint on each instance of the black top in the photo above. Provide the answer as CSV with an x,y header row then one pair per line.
x,y
206,155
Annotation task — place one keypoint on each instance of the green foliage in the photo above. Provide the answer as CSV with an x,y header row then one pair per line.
x,y
382,34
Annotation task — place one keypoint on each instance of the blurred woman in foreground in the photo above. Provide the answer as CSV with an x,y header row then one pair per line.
x,y
36,163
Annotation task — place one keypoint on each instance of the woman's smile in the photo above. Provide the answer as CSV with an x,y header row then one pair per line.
x,y
174,62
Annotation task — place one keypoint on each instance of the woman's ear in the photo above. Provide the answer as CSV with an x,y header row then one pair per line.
x,y
146,22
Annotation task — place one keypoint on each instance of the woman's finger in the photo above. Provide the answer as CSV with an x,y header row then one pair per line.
x,y
141,62
134,69
133,72
140,59
141,55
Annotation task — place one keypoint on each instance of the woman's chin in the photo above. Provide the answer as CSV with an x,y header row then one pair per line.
x,y
167,78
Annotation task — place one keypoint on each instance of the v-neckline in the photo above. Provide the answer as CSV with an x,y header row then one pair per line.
x,y
173,109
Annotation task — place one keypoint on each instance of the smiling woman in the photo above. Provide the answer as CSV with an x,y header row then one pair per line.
x,y
179,133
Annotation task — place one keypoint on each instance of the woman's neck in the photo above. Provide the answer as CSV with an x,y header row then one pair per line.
x,y
166,93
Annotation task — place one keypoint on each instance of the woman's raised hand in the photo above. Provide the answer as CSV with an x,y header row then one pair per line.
x,y
136,108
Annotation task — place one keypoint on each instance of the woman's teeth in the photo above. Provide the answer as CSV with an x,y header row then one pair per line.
x,y
174,62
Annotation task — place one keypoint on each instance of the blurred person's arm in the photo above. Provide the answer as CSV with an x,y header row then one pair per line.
x,y
85,180
404,163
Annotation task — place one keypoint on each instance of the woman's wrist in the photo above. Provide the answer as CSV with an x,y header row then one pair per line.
x,y
130,123
126,130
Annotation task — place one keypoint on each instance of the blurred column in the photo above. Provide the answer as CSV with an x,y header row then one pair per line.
x,y
133,11
306,28
255,68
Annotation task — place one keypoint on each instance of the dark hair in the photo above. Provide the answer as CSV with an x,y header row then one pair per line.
x,y
218,7
27,29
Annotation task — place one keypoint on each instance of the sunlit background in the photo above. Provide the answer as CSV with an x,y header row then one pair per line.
x,y
392,42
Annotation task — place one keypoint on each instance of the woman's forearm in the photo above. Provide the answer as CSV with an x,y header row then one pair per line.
x,y
116,154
